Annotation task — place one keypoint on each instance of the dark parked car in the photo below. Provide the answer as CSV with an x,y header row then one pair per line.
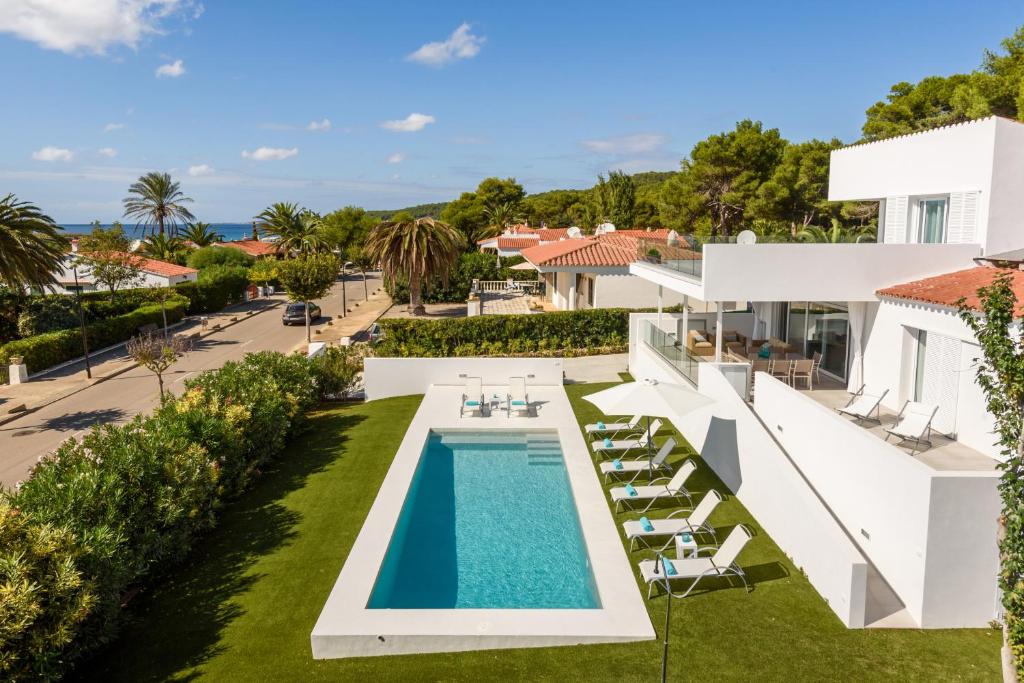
x,y
295,314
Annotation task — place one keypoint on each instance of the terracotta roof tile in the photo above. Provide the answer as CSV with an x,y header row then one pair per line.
x,y
251,247
151,265
947,289
607,251
517,242
552,234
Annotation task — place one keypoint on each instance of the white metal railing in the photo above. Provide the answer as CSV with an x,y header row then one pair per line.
x,y
527,286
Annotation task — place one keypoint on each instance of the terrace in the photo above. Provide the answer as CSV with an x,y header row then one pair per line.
x,y
243,608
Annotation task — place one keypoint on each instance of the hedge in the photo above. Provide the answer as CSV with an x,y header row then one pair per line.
x,y
602,330
98,518
46,350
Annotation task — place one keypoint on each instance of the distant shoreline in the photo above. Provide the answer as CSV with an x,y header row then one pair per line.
x,y
229,231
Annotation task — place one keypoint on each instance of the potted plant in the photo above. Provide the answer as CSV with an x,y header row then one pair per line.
x,y
653,255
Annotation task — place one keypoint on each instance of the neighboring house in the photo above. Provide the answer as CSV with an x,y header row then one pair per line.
x,y
911,527
152,273
258,249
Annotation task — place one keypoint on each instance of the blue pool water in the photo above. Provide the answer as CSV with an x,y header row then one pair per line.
x,y
489,522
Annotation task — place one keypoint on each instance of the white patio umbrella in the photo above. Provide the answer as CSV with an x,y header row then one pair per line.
x,y
649,397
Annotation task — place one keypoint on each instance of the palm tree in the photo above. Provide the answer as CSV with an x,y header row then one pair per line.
x,y
499,216
200,234
836,234
162,247
419,248
156,201
31,245
361,261
297,230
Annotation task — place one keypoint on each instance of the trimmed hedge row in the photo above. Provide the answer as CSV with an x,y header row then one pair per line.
x,y
602,330
49,349
97,517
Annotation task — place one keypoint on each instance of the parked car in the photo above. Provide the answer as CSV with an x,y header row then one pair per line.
x,y
295,314
374,334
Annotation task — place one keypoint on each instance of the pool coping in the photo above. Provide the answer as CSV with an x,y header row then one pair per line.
x,y
346,628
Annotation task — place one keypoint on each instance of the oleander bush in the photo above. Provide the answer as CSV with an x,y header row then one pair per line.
x,y
98,518
218,256
585,332
45,350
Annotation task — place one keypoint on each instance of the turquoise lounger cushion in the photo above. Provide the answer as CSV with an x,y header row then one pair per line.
x,y
646,525
670,569
630,490
519,403
600,425
617,464
607,442
472,403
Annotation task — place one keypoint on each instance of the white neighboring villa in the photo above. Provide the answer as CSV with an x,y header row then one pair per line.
x,y
152,273
904,533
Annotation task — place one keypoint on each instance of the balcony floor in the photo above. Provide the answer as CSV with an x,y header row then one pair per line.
x,y
945,453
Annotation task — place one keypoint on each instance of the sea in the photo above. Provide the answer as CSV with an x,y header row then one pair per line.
x,y
228,231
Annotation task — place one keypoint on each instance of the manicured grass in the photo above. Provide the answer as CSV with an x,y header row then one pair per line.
x,y
243,607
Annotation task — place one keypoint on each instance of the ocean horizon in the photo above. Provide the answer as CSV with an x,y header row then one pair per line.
x,y
228,231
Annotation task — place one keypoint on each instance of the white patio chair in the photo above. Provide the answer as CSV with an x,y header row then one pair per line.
x,y
862,404
615,428
722,562
803,369
914,423
640,465
653,492
695,522
816,368
518,401
472,398
624,446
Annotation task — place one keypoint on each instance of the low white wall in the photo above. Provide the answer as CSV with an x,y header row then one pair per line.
x,y
630,291
930,534
736,446
386,377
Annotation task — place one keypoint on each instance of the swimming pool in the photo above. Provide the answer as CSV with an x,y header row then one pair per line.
x,y
489,522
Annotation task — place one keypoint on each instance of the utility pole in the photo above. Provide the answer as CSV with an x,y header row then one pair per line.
x,y
344,301
81,320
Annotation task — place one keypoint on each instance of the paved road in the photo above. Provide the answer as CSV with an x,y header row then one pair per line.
x,y
118,399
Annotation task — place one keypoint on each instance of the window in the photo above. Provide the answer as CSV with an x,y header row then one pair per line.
x,y
591,286
931,221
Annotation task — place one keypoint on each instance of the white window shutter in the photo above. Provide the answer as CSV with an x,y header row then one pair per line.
x,y
963,218
941,380
895,220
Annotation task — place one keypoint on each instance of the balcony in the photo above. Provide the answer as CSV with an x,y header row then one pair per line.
x,y
793,271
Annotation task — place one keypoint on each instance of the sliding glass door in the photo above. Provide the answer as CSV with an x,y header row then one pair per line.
x,y
816,327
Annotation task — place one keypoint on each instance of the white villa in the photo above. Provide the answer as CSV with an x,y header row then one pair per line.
x,y
891,533
152,273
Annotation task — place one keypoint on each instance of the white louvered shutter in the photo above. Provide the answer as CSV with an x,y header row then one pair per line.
x,y
941,379
963,218
895,220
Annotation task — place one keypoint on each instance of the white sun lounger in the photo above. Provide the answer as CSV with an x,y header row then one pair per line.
x,y
721,563
640,465
614,428
624,446
863,403
518,401
472,398
675,489
695,522
914,423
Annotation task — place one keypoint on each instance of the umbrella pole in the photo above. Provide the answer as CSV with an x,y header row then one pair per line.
x,y
650,453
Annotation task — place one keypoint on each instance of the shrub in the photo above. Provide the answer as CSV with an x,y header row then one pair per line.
x,y
216,287
47,314
337,371
471,265
203,258
98,516
601,330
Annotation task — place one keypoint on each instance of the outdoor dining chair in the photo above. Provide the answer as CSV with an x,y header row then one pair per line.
x,y
803,369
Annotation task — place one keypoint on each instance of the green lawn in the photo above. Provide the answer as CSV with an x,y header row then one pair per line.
x,y
243,606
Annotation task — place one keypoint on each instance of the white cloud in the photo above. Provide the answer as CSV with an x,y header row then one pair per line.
x,y
461,44
410,124
639,143
200,170
172,70
53,154
321,126
270,153
111,127
396,158
108,152
80,26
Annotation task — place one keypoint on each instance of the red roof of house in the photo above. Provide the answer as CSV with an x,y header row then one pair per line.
x,y
251,247
517,242
947,289
658,233
604,251
552,234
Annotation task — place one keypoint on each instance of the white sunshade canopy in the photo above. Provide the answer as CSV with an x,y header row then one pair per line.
x,y
525,265
649,397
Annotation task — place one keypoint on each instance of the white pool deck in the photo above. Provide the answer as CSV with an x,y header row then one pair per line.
x,y
346,628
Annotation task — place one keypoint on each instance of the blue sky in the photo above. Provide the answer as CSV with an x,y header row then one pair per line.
x,y
551,93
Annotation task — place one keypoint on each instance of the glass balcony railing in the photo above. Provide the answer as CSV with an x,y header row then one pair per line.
x,y
684,256
671,349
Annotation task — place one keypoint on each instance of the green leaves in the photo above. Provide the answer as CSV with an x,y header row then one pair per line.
x,y
31,245
157,203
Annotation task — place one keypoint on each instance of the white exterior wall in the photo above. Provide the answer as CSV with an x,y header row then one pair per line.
x,y
931,534
889,363
630,291
1001,215
736,446
386,377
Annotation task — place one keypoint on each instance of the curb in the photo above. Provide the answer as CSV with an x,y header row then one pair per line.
x,y
99,380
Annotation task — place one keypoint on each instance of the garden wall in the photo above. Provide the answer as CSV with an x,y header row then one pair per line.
x,y
386,377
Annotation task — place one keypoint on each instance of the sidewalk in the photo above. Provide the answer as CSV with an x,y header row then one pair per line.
x,y
362,314
50,386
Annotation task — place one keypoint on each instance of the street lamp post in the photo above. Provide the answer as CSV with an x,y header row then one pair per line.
x,y
344,300
81,320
